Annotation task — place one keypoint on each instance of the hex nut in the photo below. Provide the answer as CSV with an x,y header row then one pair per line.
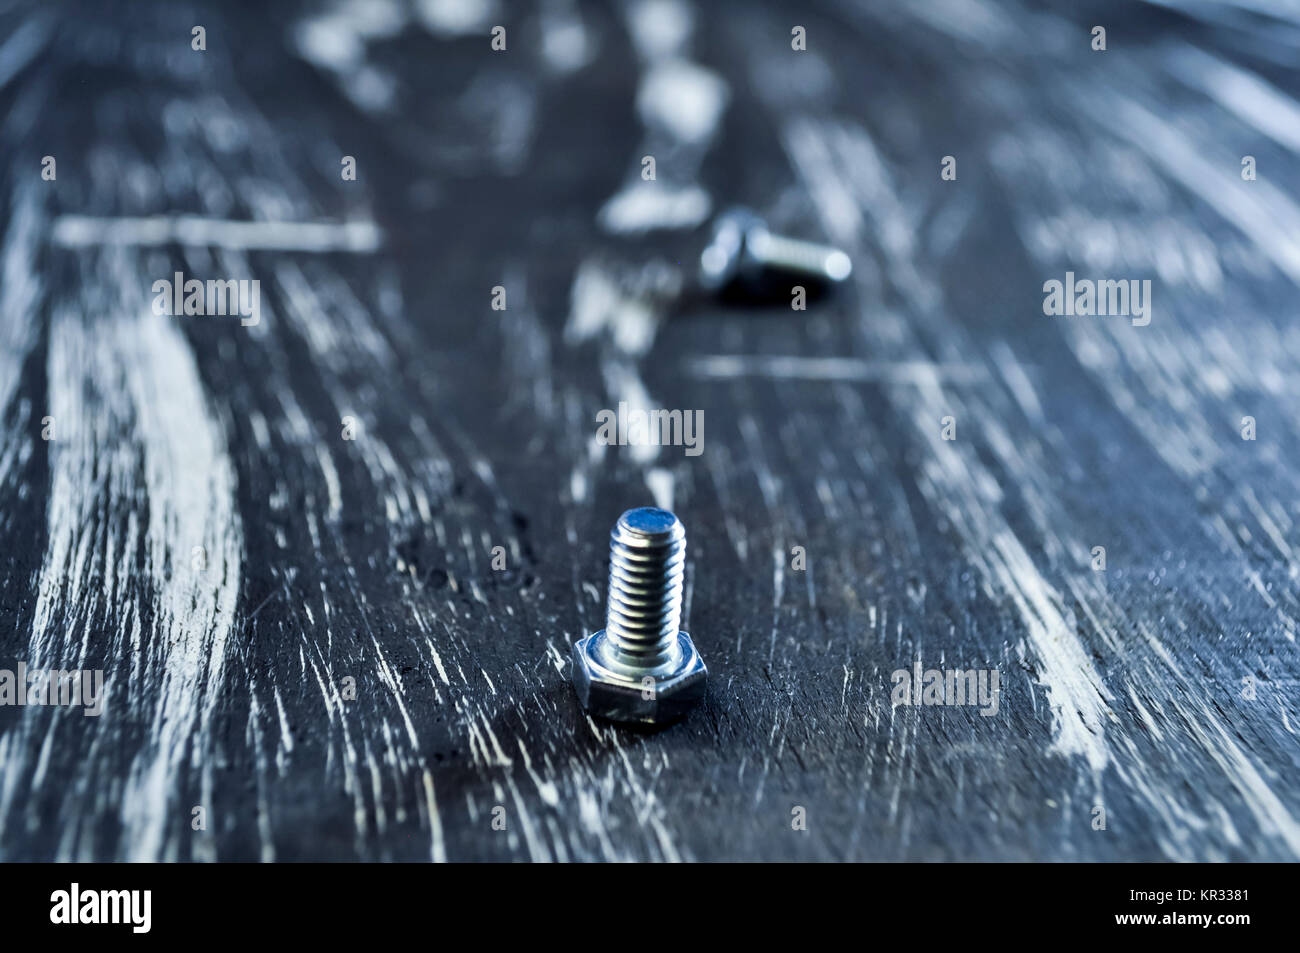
x,y
606,694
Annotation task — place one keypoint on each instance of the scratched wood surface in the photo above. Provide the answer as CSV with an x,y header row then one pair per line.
x,y
330,565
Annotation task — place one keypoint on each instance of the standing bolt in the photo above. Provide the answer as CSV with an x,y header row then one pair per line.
x,y
743,254
641,667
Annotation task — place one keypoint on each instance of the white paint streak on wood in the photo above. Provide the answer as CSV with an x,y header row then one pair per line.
x,y
437,840
1245,94
1262,211
599,303
660,482
22,46
682,100
138,372
81,231
454,18
642,206
845,162
732,366
20,294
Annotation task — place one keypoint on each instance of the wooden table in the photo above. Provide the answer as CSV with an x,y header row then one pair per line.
x,y
277,539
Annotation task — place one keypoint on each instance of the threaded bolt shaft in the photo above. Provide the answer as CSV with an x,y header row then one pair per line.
x,y
799,258
647,562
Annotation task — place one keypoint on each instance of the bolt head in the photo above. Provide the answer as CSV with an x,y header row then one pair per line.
x,y
654,700
729,255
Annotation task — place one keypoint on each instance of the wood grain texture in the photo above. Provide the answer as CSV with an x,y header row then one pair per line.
x,y
327,559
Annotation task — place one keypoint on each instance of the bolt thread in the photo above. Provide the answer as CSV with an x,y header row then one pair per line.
x,y
794,255
647,562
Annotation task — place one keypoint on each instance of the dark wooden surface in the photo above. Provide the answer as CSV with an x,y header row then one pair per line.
x,y
371,559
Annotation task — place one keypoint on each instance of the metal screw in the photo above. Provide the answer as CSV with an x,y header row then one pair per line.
x,y
744,252
641,667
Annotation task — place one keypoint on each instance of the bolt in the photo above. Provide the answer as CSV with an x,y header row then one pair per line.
x,y
641,667
745,253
